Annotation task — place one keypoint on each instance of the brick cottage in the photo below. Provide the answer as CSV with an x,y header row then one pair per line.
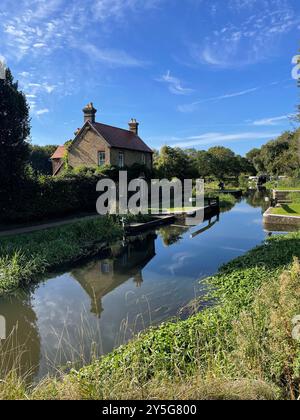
x,y
100,144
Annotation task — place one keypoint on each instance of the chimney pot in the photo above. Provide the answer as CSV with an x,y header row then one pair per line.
x,y
89,113
134,126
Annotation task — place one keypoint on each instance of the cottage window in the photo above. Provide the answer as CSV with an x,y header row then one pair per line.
x,y
121,160
143,159
101,158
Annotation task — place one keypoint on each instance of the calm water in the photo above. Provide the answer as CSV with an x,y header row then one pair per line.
x,y
139,283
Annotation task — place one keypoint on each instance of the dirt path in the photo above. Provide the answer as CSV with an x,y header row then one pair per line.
x,y
19,230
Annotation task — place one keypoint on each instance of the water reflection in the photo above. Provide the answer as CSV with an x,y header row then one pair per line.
x,y
21,350
124,262
103,302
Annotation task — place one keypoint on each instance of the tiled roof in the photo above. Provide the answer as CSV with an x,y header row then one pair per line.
x,y
59,153
121,139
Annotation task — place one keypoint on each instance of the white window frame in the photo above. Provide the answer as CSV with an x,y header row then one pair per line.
x,y
101,161
121,160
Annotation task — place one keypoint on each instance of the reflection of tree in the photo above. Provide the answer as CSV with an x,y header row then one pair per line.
x,y
21,349
100,277
256,198
172,234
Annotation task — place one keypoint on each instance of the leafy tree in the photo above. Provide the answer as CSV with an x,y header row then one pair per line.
x,y
245,166
254,156
14,133
278,157
203,162
172,162
40,159
224,162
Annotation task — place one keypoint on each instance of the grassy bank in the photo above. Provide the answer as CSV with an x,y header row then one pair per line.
x,y
287,210
240,349
23,258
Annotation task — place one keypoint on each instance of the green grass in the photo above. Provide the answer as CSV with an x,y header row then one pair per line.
x,y
24,258
289,184
287,210
242,348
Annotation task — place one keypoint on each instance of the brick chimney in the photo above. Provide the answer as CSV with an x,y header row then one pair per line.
x,y
89,113
134,126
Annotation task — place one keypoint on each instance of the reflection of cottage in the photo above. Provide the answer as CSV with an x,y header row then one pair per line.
x,y
98,278
98,144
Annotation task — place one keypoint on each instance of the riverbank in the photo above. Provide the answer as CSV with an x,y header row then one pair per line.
x,y
242,348
25,255
24,258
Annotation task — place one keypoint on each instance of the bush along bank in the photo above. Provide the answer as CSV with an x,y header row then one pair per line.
x,y
24,258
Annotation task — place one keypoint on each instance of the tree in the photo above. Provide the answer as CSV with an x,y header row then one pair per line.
x,y
278,157
254,156
14,133
223,162
203,162
245,166
40,159
171,163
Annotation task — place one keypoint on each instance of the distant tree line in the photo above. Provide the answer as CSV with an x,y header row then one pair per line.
x,y
278,157
218,162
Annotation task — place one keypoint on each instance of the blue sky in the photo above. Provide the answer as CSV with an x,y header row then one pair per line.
x,y
195,73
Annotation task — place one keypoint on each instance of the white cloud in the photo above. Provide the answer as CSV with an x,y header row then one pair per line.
x,y
24,74
2,67
273,121
220,138
105,9
42,111
39,45
193,106
111,57
256,36
48,88
39,87
175,85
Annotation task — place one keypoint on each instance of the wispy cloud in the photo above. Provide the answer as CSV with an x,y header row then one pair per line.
x,y
174,84
42,111
118,9
273,121
250,37
221,138
116,58
193,106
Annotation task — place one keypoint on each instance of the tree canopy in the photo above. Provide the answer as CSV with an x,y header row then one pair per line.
x,y
14,134
278,157
40,159
218,162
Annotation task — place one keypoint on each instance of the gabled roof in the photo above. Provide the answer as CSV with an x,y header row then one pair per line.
x,y
56,170
120,138
59,153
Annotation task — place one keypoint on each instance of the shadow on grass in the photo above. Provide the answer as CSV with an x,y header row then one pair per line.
x,y
288,209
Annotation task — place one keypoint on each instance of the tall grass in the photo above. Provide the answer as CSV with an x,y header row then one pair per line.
x,y
240,349
25,257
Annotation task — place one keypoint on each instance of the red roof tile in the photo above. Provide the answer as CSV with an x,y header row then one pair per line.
x,y
59,153
121,139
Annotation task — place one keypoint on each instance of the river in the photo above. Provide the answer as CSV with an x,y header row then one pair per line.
x,y
100,304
